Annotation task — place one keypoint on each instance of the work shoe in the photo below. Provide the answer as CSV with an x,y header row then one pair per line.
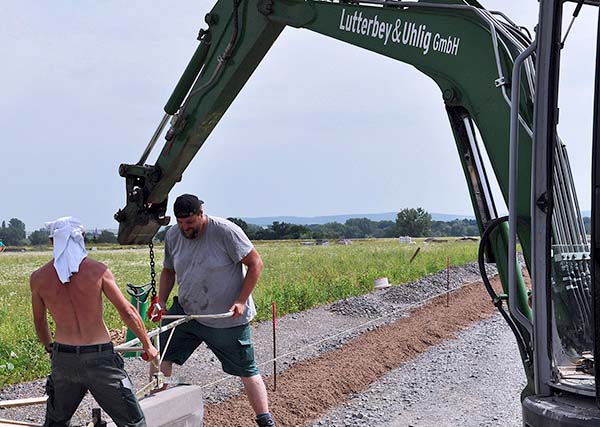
x,y
265,420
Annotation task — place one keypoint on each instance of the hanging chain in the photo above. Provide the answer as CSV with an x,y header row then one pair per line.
x,y
152,271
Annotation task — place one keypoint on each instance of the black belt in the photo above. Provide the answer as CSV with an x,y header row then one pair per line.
x,y
93,348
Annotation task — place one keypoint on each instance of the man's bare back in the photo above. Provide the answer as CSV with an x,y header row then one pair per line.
x,y
70,287
76,306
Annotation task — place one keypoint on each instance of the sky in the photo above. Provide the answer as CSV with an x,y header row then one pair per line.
x,y
321,128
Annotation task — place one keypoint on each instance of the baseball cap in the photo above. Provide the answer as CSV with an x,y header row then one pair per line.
x,y
187,205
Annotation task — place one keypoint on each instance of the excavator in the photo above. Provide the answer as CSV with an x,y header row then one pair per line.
x,y
499,85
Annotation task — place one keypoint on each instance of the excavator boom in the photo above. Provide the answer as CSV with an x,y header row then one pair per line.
x,y
451,43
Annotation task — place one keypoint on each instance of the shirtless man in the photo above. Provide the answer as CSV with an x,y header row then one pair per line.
x,y
70,287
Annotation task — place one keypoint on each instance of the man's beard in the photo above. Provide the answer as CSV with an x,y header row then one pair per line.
x,y
194,233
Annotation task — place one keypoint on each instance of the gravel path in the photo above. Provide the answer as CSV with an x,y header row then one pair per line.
x,y
306,335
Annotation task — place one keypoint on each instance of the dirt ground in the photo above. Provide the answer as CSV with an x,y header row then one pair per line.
x,y
310,388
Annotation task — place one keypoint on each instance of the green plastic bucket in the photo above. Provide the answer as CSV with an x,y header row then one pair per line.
x,y
139,299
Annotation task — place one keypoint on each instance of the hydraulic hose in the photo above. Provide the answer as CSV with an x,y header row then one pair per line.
x,y
496,300
224,57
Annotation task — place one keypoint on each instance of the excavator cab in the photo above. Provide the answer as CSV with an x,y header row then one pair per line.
x,y
565,273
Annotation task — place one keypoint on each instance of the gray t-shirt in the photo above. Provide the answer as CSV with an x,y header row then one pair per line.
x,y
209,271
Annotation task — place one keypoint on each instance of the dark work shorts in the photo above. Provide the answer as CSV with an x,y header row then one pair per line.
x,y
232,346
101,372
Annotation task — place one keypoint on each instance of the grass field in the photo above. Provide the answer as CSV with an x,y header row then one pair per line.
x,y
296,277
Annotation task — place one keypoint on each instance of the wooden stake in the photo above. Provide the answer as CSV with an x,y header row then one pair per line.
x,y
448,281
414,255
274,315
22,402
10,423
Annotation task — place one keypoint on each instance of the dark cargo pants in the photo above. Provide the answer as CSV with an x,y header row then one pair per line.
x,y
101,372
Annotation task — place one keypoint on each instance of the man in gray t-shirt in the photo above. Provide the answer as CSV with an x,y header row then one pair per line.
x,y
209,270
205,255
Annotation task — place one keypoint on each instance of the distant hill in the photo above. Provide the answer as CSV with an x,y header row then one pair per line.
x,y
308,220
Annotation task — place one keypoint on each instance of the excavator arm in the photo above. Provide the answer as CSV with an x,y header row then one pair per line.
x,y
237,38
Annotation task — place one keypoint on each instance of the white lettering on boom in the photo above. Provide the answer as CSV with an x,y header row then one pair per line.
x,y
404,33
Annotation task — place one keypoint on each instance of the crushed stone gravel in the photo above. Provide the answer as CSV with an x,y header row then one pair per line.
x,y
474,380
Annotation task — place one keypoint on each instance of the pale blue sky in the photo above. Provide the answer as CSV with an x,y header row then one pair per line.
x,y
84,84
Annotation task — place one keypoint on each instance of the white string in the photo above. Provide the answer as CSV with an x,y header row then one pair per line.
x,y
393,312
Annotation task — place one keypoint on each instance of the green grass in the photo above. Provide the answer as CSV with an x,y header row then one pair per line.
x,y
296,277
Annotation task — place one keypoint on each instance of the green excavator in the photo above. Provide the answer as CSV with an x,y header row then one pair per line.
x,y
499,86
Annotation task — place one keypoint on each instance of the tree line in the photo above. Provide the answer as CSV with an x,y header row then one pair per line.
x,y
409,222
13,234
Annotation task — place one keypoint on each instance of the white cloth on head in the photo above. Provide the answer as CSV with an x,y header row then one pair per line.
x,y
69,246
